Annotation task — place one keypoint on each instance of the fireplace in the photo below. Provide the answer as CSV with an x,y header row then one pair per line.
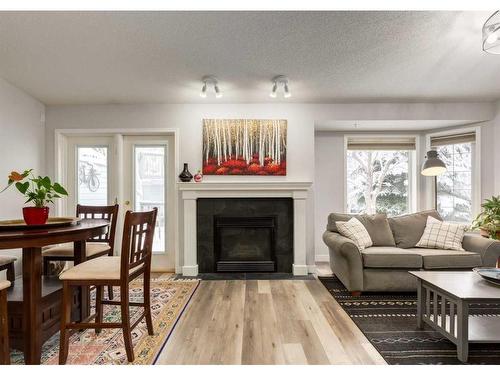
x,y
245,244
245,234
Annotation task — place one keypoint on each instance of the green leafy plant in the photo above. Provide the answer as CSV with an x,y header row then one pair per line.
x,y
489,219
38,190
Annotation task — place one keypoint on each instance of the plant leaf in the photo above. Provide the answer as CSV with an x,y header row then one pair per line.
x,y
59,189
22,186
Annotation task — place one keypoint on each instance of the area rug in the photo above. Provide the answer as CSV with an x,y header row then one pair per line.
x,y
168,301
388,320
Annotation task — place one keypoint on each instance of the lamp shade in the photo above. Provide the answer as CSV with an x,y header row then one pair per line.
x,y
491,34
433,166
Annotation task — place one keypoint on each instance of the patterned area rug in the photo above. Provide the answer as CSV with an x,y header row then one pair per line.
x,y
389,321
168,301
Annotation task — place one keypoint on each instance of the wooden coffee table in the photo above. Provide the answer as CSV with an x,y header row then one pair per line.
x,y
444,298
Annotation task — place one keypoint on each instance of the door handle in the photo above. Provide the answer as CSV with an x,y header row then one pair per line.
x,y
127,203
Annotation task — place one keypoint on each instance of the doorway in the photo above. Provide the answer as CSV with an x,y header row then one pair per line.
x,y
135,171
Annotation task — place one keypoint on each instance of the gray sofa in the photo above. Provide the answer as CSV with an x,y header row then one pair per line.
x,y
385,265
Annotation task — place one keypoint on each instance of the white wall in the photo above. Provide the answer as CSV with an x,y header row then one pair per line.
x,y
301,118
22,145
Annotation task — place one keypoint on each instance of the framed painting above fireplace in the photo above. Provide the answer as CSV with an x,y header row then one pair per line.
x,y
244,147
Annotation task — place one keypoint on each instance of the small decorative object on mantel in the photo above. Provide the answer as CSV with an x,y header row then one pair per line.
x,y
198,177
39,190
488,221
185,175
244,147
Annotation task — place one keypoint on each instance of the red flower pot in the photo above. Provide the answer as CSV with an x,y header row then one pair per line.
x,y
35,215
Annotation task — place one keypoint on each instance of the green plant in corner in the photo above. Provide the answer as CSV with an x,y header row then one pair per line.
x,y
38,190
489,219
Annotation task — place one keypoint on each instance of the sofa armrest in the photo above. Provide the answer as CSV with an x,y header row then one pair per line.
x,y
344,245
486,247
345,260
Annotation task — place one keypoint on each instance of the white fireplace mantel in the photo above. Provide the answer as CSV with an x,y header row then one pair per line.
x,y
191,191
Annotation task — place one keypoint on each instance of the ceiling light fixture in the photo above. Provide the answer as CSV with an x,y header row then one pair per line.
x,y
491,34
210,81
283,81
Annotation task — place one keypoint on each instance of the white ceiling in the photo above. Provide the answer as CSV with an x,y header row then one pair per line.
x,y
135,57
383,125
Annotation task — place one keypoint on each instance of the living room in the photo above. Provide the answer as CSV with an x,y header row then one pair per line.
x,y
312,187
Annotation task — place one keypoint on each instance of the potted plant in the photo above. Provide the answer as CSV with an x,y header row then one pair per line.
x,y
488,221
38,190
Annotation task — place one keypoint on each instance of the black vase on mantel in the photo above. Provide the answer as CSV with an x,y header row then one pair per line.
x,y
185,175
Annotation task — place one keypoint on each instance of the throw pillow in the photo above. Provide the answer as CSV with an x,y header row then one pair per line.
x,y
442,235
355,231
408,229
377,226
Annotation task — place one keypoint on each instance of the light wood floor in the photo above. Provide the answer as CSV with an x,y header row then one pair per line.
x,y
266,322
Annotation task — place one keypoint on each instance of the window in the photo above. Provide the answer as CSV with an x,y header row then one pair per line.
x,y
380,175
454,188
92,181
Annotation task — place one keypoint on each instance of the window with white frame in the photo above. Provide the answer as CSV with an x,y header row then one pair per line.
x,y
454,189
380,175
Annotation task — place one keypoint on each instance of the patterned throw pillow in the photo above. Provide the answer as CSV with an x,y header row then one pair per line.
x,y
442,235
355,231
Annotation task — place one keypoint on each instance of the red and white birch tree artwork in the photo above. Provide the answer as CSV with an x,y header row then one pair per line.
x,y
244,147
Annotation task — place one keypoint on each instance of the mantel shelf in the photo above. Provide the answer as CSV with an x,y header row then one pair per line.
x,y
244,185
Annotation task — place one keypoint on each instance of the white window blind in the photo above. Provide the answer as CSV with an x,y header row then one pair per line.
x,y
381,143
453,139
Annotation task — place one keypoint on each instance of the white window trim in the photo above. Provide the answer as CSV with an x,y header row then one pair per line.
x,y
476,167
413,175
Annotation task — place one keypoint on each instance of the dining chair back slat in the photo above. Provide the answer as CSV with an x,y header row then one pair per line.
x,y
109,213
137,242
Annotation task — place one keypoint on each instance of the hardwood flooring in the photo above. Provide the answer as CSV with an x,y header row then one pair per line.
x,y
266,322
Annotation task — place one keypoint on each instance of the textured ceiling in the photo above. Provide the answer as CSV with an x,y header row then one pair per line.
x,y
133,57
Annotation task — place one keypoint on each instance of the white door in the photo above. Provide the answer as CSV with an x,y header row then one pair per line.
x,y
148,181
137,172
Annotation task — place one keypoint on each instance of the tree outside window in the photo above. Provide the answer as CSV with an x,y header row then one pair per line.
x,y
377,181
454,187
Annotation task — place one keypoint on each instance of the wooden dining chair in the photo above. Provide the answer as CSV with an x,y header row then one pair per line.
x,y
134,261
4,324
96,247
7,263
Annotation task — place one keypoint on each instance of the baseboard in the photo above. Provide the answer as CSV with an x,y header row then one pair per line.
x,y
322,258
311,268
190,270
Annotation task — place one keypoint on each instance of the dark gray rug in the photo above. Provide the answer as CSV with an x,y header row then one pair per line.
x,y
388,320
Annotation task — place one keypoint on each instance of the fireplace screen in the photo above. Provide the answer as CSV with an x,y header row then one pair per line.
x,y
245,244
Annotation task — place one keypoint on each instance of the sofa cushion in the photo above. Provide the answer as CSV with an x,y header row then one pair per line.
x,y
446,259
356,232
390,257
442,235
408,229
377,226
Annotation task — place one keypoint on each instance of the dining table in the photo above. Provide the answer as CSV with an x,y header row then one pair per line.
x,y
34,303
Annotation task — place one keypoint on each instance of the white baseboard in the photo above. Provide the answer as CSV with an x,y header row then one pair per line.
x,y
311,268
190,270
322,258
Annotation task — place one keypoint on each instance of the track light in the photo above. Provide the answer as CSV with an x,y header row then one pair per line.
x,y
283,81
210,81
287,92
273,92
203,92
218,94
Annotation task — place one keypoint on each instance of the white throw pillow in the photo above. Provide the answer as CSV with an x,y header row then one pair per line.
x,y
355,231
441,235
